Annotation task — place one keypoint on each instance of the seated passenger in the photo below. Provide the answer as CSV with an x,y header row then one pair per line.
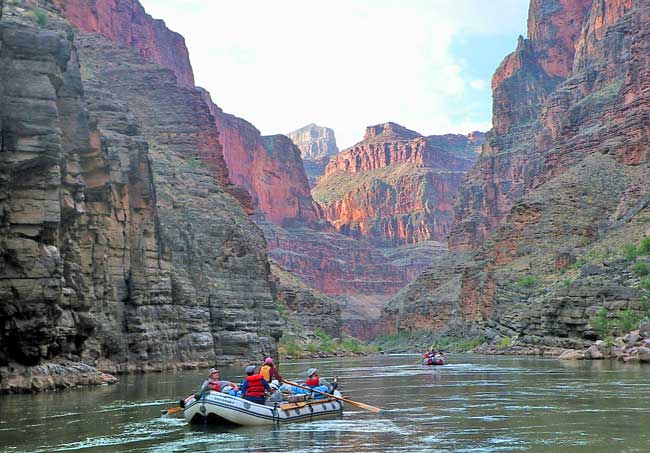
x,y
269,371
214,383
254,386
314,380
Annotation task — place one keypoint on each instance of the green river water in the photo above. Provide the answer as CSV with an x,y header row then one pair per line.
x,y
473,404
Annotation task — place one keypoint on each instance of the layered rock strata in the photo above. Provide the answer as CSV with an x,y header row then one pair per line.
x,y
396,186
560,187
270,168
126,22
120,246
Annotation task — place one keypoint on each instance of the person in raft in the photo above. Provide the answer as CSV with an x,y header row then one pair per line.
x,y
254,386
314,380
270,372
214,383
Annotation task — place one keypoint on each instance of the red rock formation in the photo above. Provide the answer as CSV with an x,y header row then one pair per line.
x,y
395,186
270,168
126,22
565,167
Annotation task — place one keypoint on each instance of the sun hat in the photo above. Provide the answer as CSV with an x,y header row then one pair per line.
x,y
268,360
212,370
311,372
250,369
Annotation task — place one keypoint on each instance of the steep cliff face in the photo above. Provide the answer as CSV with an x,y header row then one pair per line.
x,y
270,168
396,186
126,22
317,144
561,186
120,246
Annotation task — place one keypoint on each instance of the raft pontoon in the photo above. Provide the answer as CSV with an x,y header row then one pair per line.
x,y
215,407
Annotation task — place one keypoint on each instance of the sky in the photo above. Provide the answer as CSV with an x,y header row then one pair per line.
x,y
348,64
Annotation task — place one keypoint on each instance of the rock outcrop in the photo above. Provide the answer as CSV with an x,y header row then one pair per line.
x,y
396,186
561,186
126,22
270,168
121,247
317,144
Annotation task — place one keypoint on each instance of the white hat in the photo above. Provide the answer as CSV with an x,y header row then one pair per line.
x,y
250,369
311,372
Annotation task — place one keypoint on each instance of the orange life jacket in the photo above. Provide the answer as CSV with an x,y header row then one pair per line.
x,y
265,372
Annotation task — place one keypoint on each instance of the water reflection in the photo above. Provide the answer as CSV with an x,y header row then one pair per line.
x,y
474,403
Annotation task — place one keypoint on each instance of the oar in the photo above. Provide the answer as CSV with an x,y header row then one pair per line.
x,y
346,400
173,410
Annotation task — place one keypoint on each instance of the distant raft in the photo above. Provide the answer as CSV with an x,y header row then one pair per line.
x,y
222,408
434,361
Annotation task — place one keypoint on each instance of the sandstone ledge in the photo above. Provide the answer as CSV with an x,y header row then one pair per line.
x,y
51,376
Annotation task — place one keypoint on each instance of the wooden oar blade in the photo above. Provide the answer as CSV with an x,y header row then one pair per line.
x,y
173,410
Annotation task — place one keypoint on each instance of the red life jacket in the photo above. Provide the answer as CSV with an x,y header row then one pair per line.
x,y
214,385
255,386
313,382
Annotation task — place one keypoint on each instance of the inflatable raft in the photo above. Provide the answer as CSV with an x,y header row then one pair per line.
x,y
215,407
432,361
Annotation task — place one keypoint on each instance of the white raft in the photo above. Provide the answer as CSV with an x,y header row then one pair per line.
x,y
217,407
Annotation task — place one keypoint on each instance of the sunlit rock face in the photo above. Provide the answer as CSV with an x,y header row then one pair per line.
x,y
126,22
317,145
396,186
121,246
562,181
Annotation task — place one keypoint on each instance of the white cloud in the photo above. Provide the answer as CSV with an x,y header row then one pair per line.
x,y
339,63
479,84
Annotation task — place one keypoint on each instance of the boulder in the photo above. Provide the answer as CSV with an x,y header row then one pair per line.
x,y
644,354
571,354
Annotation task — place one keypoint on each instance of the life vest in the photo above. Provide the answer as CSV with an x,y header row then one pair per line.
x,y
214,385
255,386
265,372
313,382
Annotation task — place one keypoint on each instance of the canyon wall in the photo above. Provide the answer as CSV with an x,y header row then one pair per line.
x,y
126,22
561,187
317,144
396,186
121,247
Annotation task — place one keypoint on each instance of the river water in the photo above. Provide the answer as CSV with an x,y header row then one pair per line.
x,y
473,404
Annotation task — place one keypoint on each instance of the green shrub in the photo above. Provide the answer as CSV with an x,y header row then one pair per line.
x,y
601,323
630,252
289,346
39,17
644,246
645,283
352,345
320,333
641,268
528,281
194,162
628,320
505,342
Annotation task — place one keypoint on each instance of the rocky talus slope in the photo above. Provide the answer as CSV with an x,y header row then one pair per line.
x,y
121,247
317,144
396,186
560,190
